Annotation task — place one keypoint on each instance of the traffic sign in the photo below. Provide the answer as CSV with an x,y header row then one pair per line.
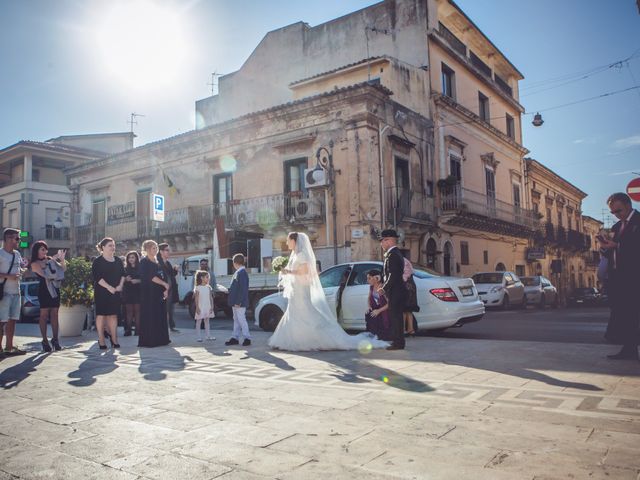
x,y
157,207
633,189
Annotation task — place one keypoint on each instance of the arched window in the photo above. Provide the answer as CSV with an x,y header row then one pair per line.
x,y
500,267
431,253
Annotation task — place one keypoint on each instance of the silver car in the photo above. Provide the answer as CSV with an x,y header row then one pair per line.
x,y
540,291
30,303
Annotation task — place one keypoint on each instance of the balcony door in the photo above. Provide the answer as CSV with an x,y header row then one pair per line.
x,y
98,220
222,196
402,190
490,181
143,213
294,187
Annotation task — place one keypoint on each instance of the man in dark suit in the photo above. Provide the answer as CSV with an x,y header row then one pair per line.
x,y
623,252
393,286
164,252
239,300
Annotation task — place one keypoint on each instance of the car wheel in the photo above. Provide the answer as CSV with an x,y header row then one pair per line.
x,y
542,302
270,317
505,302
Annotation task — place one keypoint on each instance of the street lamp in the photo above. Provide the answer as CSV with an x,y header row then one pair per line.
x,y
537,120
326,163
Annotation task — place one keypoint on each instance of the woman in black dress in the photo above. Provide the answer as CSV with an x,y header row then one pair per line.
x,y
131,293
48,270
108,279
154,290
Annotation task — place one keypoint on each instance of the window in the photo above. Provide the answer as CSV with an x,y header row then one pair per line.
x,y
222,188
464,253
569,222
536,208
516,196
98,212
483,107
448,82
511,129
143,212
520,270
485,255
294,175
35,175
560,218
490,182
333,276
402,188
455,166
360,270
549,215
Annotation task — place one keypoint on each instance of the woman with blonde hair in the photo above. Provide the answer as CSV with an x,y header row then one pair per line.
x,y
154,289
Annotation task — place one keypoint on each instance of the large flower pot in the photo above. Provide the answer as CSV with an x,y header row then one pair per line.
x,y
71,320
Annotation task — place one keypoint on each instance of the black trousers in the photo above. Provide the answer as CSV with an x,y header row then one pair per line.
x,y
396,321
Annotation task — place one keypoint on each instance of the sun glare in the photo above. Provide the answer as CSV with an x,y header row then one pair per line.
x,y
142,44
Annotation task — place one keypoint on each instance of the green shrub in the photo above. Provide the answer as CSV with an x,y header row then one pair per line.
x,y
77,286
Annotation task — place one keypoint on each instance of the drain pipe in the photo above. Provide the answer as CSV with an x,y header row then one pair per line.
x,y
381,171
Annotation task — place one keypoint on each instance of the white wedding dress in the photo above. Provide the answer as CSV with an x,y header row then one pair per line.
x,y
308,323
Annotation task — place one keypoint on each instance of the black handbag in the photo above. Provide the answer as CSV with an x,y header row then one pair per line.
x,y
13,259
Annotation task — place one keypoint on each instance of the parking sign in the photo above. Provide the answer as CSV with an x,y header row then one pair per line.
x,y
157,207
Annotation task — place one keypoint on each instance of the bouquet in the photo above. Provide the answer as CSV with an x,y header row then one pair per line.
x,y
279,263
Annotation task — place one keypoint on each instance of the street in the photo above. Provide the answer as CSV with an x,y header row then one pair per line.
x,y
519,394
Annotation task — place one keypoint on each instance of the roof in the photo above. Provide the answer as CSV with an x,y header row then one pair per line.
x,y
551,172
374,85
53,147
337,69
455,5
91,135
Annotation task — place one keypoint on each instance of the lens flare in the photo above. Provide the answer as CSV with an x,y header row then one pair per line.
x,y
228,163
267,218
385,379
365,347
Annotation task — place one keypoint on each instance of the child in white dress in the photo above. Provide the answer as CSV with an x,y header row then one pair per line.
x,y
203,299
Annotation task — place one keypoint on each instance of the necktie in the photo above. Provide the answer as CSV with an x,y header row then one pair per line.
x,y
624,225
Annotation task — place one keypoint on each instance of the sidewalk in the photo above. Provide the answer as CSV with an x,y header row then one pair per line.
x,y
441,409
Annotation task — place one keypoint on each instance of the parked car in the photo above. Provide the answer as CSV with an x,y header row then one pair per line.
x,y
500,289
539,291
30,304
443,301
587,296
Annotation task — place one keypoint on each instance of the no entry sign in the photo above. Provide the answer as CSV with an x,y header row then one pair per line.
x,y
633,189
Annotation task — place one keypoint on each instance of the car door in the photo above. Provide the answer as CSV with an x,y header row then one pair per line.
x,y
355,298
330,280
518,288
507,284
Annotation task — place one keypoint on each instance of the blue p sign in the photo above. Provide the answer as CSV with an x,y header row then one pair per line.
x,y
159,203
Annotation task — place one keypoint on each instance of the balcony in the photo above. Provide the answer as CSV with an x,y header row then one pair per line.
x,y
53,233
404,205
592,258
504,86
253,213
479,211
480,65
452,40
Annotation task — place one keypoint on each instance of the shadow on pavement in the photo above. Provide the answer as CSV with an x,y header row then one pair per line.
x,y
154,367
13,376
95,364
268,358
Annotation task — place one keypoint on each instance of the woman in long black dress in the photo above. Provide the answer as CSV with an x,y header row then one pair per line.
x,y
48,272
154,290
108,279
131,293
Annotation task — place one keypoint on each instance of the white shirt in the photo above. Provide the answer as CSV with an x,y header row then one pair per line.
x,y
12,285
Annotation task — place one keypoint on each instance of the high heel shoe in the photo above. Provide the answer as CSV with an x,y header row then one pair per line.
x,y
102,347
45,346
113,345
56,344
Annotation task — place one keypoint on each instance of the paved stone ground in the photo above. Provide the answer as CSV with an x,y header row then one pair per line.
x,y
442,409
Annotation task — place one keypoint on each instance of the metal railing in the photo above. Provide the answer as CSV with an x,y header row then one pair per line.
x,y
452,40
504,86
263,212
456,198
479,64
405,205
53,233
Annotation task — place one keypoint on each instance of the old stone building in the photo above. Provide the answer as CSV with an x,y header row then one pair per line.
x,y
560,247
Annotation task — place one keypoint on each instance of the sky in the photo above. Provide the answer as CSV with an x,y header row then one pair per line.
x,y
74,67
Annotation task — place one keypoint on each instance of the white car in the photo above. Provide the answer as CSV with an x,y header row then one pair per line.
x,y
500,289
540,291
443,301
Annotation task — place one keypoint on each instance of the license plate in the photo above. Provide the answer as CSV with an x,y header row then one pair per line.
x,y
466,291
579,301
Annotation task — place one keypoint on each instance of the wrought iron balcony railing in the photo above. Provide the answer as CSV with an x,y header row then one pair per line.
x,y
405,205
455,198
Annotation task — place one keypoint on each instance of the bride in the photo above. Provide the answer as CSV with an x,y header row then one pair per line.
x,y
309,323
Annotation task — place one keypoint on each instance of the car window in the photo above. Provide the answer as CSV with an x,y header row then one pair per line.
x,y
359,273
423,274
531,281
487,278
32,289
333,276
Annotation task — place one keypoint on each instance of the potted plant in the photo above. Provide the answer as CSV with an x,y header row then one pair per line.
x,y
76,297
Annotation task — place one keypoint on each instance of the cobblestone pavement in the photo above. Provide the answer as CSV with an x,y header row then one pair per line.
x,y
442,408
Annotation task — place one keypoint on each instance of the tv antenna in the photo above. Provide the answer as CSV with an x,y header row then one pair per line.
x,y
214,82
133,119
